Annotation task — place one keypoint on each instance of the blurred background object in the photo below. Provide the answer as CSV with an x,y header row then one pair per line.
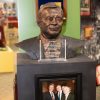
x,y
9,22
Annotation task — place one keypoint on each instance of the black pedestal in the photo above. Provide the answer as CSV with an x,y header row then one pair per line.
x,y
27,69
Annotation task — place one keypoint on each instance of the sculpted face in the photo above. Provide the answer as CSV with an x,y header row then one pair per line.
x,y
51,22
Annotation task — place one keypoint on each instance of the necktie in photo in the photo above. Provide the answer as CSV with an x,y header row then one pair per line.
x,y
58,95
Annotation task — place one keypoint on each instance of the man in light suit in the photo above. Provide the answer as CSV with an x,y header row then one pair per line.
x,y
50,20
49,95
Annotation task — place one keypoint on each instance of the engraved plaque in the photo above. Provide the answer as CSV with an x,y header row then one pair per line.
x,y
54,50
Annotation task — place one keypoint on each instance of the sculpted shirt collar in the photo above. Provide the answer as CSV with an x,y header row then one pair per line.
x,y
45,40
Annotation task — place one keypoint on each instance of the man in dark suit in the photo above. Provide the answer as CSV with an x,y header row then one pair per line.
x,y
50,20
67,92
59,95
49,95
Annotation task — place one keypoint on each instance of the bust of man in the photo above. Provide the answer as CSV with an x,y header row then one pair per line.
x,y
50,21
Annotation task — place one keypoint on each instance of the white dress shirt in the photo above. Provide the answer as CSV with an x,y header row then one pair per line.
x,y
66,96
60,94
52,95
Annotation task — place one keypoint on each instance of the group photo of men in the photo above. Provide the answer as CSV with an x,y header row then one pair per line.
x,y
58,92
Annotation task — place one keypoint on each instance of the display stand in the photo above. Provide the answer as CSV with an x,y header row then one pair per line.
x,y
27,69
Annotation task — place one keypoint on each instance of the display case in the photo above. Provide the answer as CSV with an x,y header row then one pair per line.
x,y
33,77
90,31
9,16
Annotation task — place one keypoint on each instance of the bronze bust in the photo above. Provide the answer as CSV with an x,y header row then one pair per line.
x,y
50,21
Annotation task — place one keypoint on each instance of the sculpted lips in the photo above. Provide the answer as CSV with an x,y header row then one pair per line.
x,y
54,28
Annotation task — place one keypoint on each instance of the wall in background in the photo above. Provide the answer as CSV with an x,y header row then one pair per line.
x,y
27,19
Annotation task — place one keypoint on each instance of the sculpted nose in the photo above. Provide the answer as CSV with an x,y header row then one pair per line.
x,y
54,22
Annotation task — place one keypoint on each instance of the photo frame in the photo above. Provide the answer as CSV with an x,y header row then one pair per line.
x,y
72,81
85,7
62,3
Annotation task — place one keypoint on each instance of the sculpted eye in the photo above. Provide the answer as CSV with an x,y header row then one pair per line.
x,y
59,18
50,18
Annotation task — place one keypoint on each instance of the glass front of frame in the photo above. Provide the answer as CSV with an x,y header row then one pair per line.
x,y
68,84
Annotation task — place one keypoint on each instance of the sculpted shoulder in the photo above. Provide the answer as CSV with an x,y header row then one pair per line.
x,y
73,42
28,44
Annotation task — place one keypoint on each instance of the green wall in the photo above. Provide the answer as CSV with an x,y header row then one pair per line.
x,y
27,19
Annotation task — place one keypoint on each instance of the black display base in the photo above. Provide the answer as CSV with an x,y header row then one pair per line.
x,y
27,69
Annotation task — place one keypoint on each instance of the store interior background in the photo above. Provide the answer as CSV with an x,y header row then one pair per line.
x,y
27,28
27,19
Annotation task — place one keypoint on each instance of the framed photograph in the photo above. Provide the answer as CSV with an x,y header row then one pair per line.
x,y
85,7
88,32
61,3
58,87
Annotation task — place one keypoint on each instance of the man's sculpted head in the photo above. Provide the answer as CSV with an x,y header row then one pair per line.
x,y
50,20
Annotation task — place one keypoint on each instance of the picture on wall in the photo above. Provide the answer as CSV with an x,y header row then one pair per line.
x,y
85,7
8,8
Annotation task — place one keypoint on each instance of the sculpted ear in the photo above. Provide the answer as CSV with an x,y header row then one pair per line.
x,y
38,20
